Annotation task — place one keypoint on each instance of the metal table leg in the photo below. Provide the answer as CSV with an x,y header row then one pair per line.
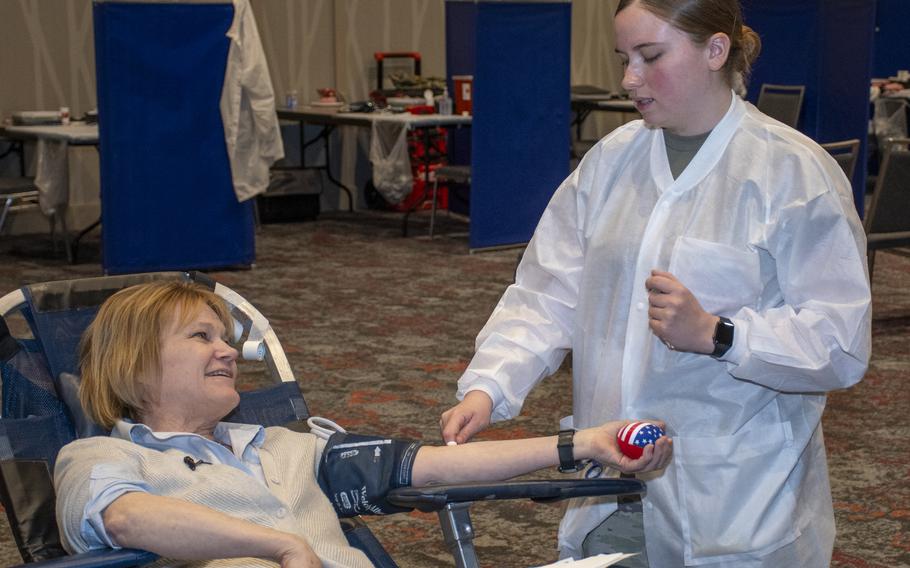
x,y
323,135
426,182
328,169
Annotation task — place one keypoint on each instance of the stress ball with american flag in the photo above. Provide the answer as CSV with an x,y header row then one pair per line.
x,y
633,437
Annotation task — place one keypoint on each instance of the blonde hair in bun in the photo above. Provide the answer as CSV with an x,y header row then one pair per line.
x,y
749,47
701,19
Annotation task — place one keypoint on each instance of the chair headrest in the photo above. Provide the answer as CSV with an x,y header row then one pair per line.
x,y
69,392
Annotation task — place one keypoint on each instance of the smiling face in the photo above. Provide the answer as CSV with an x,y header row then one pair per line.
x,y
676,84
198,368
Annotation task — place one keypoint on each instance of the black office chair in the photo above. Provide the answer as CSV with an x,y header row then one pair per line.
x,y
19,193
16,194
845,153
887,221
782,102
447,174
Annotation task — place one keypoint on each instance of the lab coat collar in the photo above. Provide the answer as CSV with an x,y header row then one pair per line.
x,y
706,157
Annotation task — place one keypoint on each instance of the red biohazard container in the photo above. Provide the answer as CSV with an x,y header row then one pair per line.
x,y
464,93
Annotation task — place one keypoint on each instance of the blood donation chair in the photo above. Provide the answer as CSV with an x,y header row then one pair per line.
x,y
40,330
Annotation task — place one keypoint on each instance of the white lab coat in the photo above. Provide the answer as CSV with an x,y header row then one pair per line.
x,y
251,129
761,227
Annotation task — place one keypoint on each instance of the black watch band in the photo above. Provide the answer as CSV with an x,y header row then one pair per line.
x,y
723,337
566,447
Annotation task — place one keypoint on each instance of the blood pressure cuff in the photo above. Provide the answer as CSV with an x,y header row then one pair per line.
x,y
357,472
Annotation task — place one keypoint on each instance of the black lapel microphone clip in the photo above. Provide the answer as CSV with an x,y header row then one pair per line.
x,y
191,463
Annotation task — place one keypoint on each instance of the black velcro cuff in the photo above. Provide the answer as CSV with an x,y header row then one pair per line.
x,y
357,472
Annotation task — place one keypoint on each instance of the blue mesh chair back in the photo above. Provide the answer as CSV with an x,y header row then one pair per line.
x,y
28,388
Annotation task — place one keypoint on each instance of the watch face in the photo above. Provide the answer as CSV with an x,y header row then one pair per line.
x,y
725,331
723,337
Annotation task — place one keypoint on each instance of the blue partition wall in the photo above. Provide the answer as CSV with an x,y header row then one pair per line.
x,y
166,189
825,45
519,56
892,46
461,23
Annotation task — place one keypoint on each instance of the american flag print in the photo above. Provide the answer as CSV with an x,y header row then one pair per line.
x,y
635,436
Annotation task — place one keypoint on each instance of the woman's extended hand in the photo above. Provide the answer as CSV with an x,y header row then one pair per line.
x,y
600,443
676,317
299,555
468,417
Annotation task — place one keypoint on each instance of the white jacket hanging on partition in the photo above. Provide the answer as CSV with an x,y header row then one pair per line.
x,y
251,129
761,227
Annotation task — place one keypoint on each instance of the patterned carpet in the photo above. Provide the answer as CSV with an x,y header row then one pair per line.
x,y
378,328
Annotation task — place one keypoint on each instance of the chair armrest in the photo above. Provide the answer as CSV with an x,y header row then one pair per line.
x,y
107,558
436,497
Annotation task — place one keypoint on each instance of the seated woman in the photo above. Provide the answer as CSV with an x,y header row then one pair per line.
x,y
172,479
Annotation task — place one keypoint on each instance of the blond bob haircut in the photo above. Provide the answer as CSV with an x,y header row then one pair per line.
x,y
120,354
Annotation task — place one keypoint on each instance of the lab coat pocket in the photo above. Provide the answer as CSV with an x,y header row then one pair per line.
x,y
723,278
734,498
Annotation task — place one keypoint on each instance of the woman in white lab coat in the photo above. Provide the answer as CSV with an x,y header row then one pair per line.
x,y
723,290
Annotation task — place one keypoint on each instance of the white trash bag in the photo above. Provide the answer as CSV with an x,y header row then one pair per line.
x,y
889,119
391,162
52,176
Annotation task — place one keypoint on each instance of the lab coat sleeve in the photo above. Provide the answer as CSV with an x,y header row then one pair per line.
x,y
820,338
530,330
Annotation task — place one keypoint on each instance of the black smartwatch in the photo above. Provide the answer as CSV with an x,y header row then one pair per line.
x,y
723,337
566,447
